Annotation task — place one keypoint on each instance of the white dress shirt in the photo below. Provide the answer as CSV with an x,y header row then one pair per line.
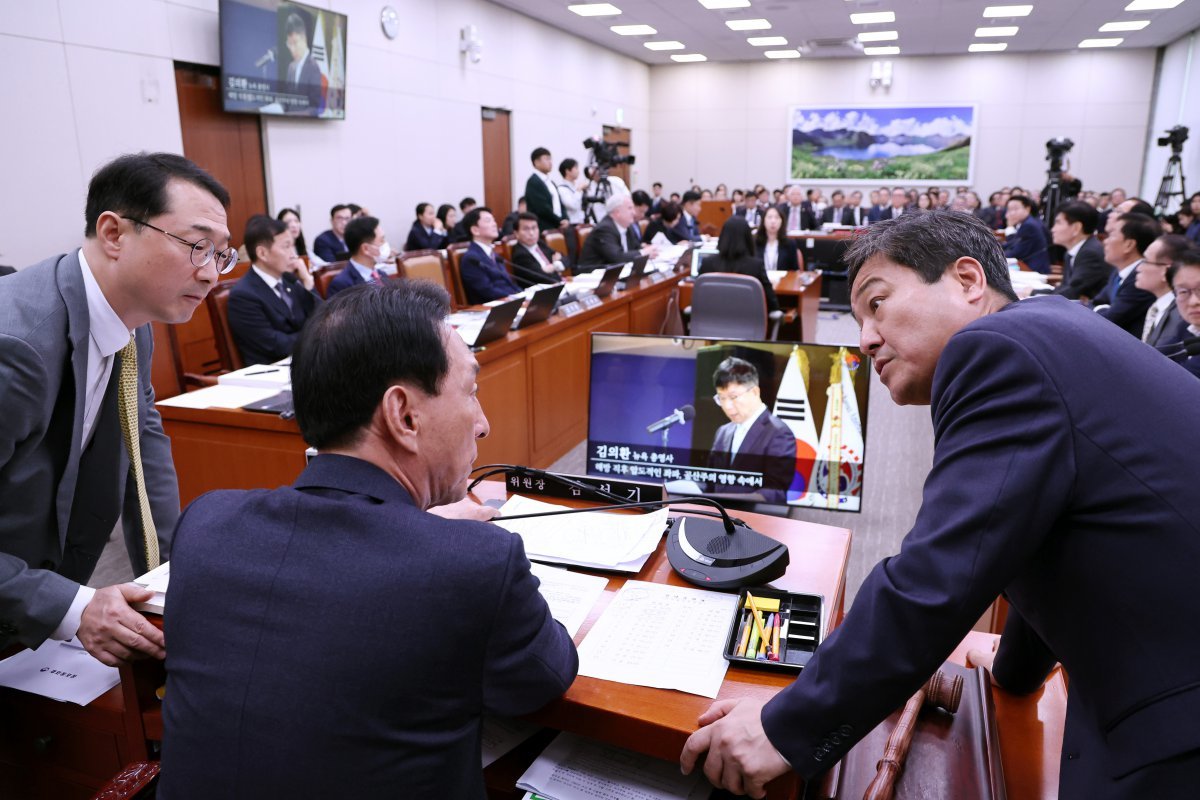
x,y
743,427
771,254
555,200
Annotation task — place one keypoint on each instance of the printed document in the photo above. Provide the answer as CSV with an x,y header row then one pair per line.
x,y
62,671
570,595
596,539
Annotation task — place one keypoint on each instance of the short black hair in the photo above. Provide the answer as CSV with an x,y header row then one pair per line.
x,y
358,231
1081,212
690,196
656,185
1140,206
537,153
465,203
735,241
339,207
525,216
1188,258
354,208
1023,200
668,210
640,198
837,193
735,370
295,24
356,346
1175,247
261,230
567,165
928,242
421,208
1141,228
135,185
472,218
443,211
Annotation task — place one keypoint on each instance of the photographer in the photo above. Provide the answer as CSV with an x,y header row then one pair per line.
x,y
601,186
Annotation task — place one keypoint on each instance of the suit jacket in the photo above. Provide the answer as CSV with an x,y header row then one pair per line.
x,y
421,239
329,248
539,201
788,258
1043,485
674,234
483,278
1030,244
808,220
264,328
59,502
309,85
769,448
414,626
750,265
1169,329
992,216
526,265
753,216
349,276
889,212
875,213
1128,307
684,231
605,246
1088,273
838,216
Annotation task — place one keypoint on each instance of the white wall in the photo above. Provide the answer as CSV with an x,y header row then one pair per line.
x,y
98,80
1176,102
728,123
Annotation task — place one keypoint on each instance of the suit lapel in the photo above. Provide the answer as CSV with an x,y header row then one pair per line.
x,y
753,441
74,296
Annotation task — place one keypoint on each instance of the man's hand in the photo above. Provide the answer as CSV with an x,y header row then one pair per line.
x,y
114,632
650,250
466,509
566,223
296,265
740,757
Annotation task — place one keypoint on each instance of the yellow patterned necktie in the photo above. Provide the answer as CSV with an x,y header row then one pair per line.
x,y
127,409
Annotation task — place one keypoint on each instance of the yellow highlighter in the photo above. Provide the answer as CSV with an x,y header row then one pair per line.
x,y
741,650
758,624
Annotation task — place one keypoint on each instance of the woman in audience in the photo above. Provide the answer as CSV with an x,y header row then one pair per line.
x,y
706,195
448,215
924,202
424,234
773,245
735,253
291,218
664,223
721,192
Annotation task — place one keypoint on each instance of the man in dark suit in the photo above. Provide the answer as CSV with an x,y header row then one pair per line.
x,y
369,249
1084,490
856,215
424,234
1121,302
754,440
75,355
1163,325
270,303
688,226
330,246
878,205
1186,285
422,624
459,233
796,211
533,261
1085,272
303,74
612,241
541,195
898,206
749,210
993,214
837,213
1030,243
483,278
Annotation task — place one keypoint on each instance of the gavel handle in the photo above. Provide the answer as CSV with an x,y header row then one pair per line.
x,y
892,764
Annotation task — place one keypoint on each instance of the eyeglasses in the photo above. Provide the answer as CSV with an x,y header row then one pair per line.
x,y
202,251
1161,264
1182,296
732,398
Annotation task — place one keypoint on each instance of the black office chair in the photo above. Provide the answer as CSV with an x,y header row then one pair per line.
x,y
726,305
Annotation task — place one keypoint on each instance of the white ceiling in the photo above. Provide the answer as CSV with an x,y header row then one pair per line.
x,y
926,27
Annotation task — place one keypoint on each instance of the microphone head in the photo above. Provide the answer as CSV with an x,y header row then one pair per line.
x,y
1192,348
688,412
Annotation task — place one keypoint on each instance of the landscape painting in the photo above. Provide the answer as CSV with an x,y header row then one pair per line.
x,y
919,145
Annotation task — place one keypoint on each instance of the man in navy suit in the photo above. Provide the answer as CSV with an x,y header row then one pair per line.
x,y
754,439
1030,243
532,259
1044,486
1085,272
424,234
688,226
330,245
483,278
270,303
369,248
332,638
1121,302
878,206
1186,284
898,207
303,74
837,213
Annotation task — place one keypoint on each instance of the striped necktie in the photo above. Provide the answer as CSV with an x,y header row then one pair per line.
x,y
127,410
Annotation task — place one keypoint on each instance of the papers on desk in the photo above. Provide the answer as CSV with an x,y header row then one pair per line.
x,y
278,376
570,595
574,768
663,636
500,735
62,671
221,396
596,539
775,276
1025,282
155,580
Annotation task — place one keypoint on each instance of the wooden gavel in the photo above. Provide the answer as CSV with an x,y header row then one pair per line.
x,y
941,691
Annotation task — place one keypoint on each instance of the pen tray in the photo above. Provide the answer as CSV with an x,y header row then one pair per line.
x,y
799,634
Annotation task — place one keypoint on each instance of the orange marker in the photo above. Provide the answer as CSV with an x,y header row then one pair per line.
x,y
758,623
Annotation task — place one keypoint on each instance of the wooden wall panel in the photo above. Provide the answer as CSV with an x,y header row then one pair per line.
x,y
504,395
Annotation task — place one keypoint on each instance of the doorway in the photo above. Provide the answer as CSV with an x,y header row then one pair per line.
x,y
497,162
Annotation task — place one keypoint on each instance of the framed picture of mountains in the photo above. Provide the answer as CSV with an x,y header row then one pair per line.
x,y
919,145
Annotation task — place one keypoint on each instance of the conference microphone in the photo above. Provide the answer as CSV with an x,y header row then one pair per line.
x,y
1188,347
266,58
678,417
515,272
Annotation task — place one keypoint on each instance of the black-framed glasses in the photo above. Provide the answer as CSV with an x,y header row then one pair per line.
x,y
203,251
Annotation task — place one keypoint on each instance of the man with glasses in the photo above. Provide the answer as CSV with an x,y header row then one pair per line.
x,y
754,440
80,440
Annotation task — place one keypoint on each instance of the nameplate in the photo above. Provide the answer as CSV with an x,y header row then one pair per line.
x,y
590,301
590,489
570,309
657,277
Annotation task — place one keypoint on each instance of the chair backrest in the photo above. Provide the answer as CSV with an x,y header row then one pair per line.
x,y
326,273
166,370
239,269
556,242
455,253
583,232
425,265
503,248
726,305
218,312
642,225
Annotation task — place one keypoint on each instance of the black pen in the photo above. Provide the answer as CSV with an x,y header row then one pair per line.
x,y
262,371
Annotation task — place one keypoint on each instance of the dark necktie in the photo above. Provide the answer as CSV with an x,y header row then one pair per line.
x,y
1114,283
284,296
1067,262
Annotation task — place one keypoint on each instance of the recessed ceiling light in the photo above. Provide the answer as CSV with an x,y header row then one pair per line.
x,y
782,53
881,51
668,45
983,33
594,9
685,57
633,30
987,47
747,24
725,3
1008,11
878,36
1151,5
871,17
1100,42
767,41
1131,25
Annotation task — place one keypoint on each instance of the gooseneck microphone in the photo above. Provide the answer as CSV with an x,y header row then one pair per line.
x,y
677,417
1188,347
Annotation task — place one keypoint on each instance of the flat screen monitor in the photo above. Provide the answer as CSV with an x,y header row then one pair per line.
x,y
744,422
282,58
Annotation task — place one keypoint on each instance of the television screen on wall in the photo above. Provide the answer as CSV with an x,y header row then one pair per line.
x,y
282,58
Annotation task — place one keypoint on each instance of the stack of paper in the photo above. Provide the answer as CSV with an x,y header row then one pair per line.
x,y
221,396
62,671
155,580
278,376
570,595
596,539
573,768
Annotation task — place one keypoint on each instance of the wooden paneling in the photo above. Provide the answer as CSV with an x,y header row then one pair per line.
x,y
504,395
646,313
497,162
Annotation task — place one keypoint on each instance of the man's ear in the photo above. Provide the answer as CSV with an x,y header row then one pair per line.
x,y
399,416
970,276
108,234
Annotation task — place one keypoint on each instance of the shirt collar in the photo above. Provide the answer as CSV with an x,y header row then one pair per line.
x,y
105,327
364,271
487,248
1194,330
744,425
270,280
1074,251
1164,302
1124,273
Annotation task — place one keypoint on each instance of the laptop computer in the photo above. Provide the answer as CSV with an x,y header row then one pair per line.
x,y
280,404
636,272
494,326
540,307
609,281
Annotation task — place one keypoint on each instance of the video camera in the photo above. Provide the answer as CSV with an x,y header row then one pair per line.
x,y
1055,150
606,155
1175,138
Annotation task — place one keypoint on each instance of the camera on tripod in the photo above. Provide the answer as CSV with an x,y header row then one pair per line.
x,y
1175,138
1055,150
605,154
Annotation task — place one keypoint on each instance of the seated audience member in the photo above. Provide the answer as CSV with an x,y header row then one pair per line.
x,y
447,214
797,212
541,193
270,303
570,190
688,226
349,564
675,198
368,248
837,213
1154,275
1085,272
1186,285
483,278
735,253
641,209
924,203
509,227
878,204
721,192
532,260
666,223
612,241
706,194
749,210
773,245
331,246
1121,301
1030,243
737,196
855,211
459,233
899,204
357,211
1192,231
291,218
993,215
424,233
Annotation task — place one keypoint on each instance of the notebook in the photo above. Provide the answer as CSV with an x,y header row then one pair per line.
x,y
494,326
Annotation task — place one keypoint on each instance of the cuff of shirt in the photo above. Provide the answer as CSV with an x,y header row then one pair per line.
x,y
70,623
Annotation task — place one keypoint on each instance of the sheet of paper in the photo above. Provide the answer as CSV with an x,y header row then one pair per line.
x,y
664,636
259,375
62,671
157,579
574,768
570,595
597,538
220,397
776,275
501,735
